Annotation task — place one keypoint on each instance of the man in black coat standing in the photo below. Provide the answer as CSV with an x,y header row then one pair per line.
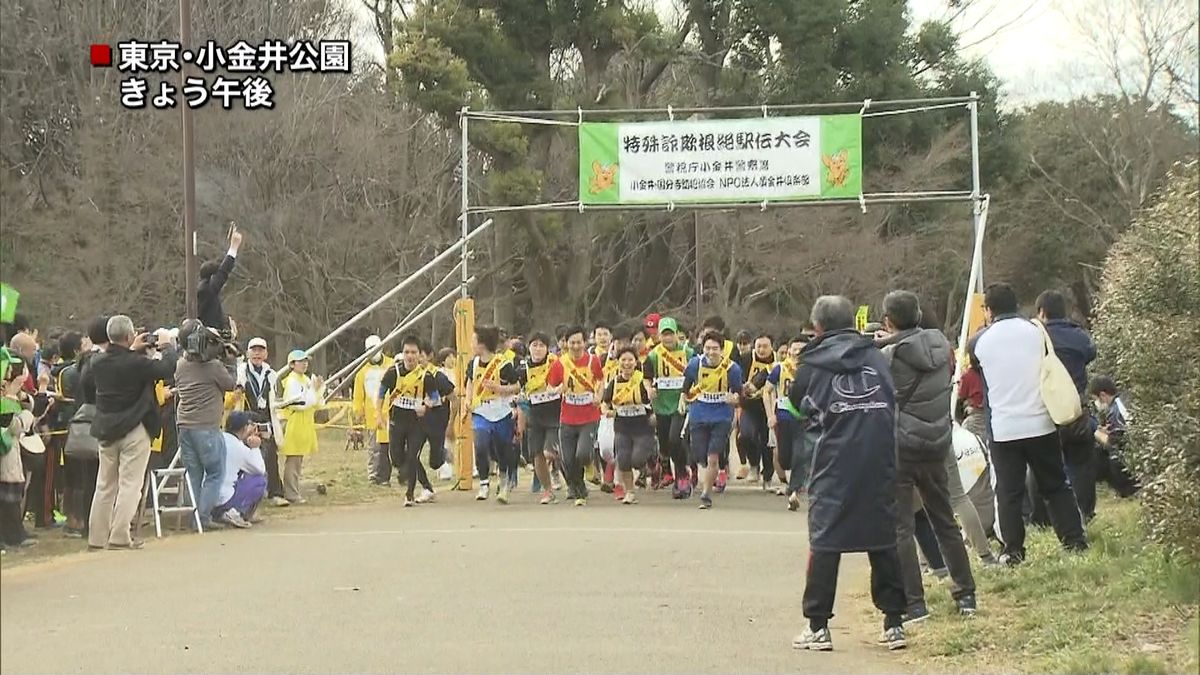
x,y
844,386
213,276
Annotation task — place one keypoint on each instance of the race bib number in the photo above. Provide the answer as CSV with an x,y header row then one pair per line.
x,y
717,397
669,383
543,397
631,411
581,399
405,403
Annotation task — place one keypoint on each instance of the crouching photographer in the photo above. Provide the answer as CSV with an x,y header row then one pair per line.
x,y
201,381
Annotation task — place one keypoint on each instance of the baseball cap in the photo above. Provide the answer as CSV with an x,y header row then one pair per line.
x,y
372,342
297,355
256,342
667,324
654,320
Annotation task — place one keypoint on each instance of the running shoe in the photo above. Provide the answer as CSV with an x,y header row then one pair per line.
x,y
618,492
503,496
893,638
794,502
549,497
967,605
484,493
425,497
234,518
705,502
556,481
607,488
409,502
629,499
916,614
722,480
743,472
755,476
817,641
640,482
581,501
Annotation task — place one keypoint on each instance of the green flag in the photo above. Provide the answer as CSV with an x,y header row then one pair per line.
x,y
8,303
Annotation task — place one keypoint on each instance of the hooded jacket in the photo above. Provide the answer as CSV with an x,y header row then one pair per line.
x,y
920,364
845,389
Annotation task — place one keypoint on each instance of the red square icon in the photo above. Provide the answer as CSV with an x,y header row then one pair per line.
x,y
101,56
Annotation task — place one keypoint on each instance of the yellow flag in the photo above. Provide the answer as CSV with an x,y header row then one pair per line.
x,y
860,319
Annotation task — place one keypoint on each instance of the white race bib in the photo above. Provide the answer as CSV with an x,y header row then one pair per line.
x,y
405,403
581,399
631,410
669,383
782,404
543,396
718,397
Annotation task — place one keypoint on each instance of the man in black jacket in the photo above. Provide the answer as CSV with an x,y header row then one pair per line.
x,y
127,417
845,388
213,276
919,360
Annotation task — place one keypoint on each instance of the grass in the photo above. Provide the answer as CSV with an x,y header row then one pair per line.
x,y
340,471
1123,606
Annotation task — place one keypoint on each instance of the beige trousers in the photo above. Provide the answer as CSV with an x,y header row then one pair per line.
x,y
292,466
119,489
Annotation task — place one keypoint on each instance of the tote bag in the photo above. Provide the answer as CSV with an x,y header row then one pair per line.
x,y
1058,389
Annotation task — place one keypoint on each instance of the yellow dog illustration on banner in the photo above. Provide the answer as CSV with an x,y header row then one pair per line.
x,y
839,167
603,177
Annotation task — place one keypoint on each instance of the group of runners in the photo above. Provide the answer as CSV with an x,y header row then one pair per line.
x,y
646,408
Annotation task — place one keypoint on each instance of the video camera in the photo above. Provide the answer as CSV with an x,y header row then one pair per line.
x,y
205,344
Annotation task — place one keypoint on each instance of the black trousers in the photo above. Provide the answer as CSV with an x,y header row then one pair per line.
x,y
820,588
406,437
12,524
929,480
39,486
671,448
1042,456
927,541
752,440
270,453
81,474
436,422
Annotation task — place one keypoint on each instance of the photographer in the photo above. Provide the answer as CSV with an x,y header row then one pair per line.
x,y
245,481
201,380
126,419
213,276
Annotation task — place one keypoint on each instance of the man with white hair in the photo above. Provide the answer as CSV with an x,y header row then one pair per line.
x,y
126,419
366,410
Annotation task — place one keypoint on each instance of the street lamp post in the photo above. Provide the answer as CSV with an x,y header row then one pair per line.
x,y
191,272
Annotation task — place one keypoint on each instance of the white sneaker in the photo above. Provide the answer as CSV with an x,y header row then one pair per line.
x,y
484,492
755,476
280,501
556,481
234,518
446,472
425,497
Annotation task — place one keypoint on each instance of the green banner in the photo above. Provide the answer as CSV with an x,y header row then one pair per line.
x,y
751,160
8,303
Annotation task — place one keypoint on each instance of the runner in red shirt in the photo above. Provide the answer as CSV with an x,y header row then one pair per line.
x,y
579,378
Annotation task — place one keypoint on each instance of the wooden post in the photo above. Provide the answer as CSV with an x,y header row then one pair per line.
x,y
464,443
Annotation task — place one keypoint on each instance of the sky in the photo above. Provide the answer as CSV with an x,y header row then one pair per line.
x,y
1031,45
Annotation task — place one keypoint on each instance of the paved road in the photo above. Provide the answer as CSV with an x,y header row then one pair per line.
x,y
452,587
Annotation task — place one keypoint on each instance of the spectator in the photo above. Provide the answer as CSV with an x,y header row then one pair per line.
x,y
1074,347
65,375
83,450
201,382
1110,437
39,486
245,482
366,411
259,388
919,359
15,422
1009,353
845,388
126,419
213,276
302,395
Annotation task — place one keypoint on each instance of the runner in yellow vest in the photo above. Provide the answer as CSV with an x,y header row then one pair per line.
x,y
711,384
752,430
627,402
540,412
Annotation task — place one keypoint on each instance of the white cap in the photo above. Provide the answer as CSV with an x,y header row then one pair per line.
x,y
372,342
257,342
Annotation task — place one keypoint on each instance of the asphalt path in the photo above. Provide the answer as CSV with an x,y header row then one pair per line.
x,y
457,586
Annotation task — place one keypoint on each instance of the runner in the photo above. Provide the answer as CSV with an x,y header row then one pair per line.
x,y
493,381
578,377
787,423
651,325
752,430
665,366
602,464
627,400
730,352
712,382
539,414
407,387
437,417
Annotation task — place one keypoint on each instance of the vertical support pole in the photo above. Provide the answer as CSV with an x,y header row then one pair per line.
x,y
190,270
464,333
699,276
975,278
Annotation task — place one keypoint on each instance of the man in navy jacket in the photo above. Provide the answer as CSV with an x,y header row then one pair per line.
x,y
1074,347
213,276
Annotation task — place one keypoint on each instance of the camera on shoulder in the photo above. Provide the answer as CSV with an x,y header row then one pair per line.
x,y
204,344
